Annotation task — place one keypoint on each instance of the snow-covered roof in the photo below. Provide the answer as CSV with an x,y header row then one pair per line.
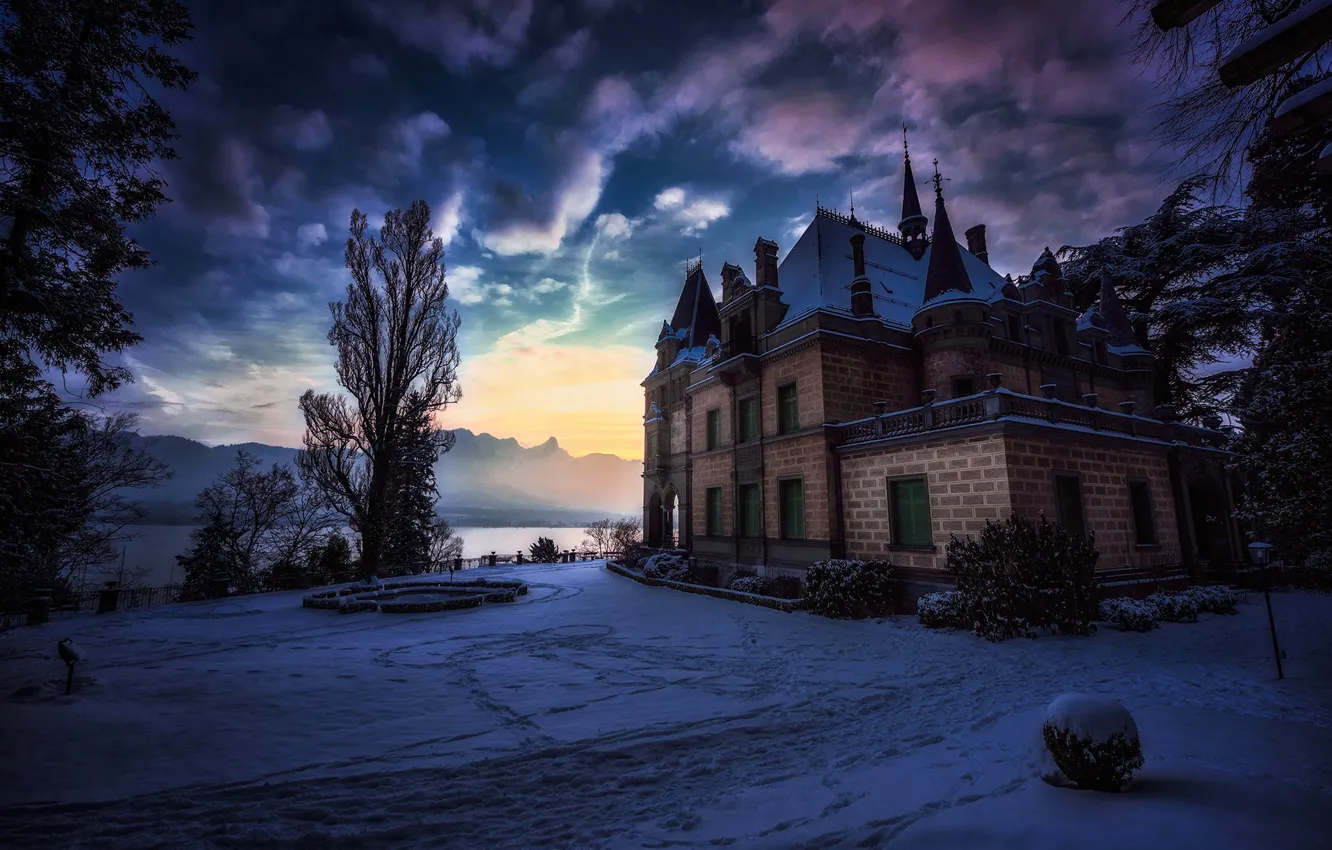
x,y
818,271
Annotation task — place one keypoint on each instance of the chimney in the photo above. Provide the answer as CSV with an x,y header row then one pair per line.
x,y
862,291
765,263
730,274
976,243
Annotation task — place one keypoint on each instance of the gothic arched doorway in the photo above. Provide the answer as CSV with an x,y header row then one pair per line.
x,y
652,533
670,517
1208,510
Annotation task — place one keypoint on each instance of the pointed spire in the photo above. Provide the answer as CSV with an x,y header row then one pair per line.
x,y
1113,315
910,197
912,225
946,272
852,193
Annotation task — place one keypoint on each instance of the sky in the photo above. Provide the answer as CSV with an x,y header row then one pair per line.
x,y
575,155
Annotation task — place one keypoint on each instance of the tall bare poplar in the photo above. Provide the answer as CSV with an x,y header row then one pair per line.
x,y
397,359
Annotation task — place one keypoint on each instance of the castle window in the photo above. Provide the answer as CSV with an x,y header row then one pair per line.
x,y
1068,500
1100,351
957,316
714,502
714,428
1015,328
652,444
963,385
792,493
1061,338
751,511
1144,523
909,501
788,410
747,414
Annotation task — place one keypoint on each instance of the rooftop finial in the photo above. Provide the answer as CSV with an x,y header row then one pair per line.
x,y
852,193
906,149
938,179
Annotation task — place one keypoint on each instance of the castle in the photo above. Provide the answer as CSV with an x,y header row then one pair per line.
x,y
876,392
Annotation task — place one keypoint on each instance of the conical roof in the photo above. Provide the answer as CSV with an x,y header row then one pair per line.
x,y
696,309
946,272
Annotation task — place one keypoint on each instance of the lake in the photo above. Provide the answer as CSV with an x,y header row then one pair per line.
x,y
157,546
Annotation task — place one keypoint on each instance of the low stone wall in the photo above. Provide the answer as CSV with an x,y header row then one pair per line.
x,y
772,602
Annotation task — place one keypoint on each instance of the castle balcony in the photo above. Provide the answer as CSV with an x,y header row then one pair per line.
x,y
1004,405
736,358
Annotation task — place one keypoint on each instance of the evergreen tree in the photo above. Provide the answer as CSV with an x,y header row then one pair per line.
x,y
544,551
413,493
79,134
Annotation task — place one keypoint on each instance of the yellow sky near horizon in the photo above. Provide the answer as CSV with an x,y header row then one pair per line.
x,y
589,399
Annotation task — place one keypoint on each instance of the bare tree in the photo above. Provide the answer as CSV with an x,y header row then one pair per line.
x,y
1209,124
445,546
626,535
397,359
304,526
597,535
111,466
241,513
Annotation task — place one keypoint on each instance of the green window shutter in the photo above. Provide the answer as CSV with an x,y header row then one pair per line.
x,y
793,509
911,509
714,511
714,428
788,409
751,511
748,420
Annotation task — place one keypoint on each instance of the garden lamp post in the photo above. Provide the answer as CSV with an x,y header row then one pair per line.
x,y
1261,553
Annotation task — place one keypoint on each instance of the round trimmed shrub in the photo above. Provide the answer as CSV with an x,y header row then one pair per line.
x,y
1174,607
1130,615
1213,599
666,566
943,610
1093,740
750,584
850,589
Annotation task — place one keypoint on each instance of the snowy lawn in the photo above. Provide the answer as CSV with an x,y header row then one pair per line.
x,y
596,712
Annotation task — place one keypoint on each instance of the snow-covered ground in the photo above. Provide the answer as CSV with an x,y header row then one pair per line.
x,y
596,712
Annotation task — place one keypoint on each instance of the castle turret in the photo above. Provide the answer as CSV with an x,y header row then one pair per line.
x,y
952,326
912,225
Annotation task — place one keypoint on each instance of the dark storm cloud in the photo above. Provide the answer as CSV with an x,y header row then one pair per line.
x,y
575,153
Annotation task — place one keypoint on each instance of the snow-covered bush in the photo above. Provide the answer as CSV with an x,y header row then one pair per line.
x,y
749,584
1017,576
1130,615
850,589
943,610
1174,607
1213,599
747,581
1093,740
667,566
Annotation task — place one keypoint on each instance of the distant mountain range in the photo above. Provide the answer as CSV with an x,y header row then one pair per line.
x,y
483,480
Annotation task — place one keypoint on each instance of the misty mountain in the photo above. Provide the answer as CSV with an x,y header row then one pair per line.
x,y
483,480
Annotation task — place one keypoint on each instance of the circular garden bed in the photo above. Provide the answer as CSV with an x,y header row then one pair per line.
x,y
414,597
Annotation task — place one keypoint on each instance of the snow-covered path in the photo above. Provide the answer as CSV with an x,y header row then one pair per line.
x,y
595,712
